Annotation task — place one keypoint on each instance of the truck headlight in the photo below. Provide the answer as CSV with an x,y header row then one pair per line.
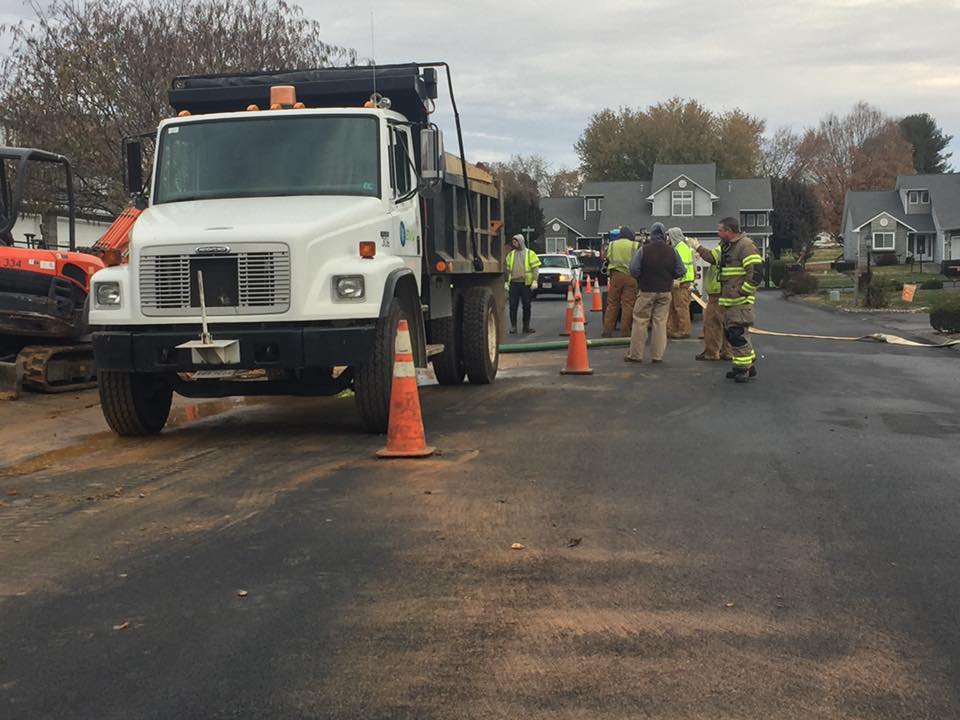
x,y
107,293
564,278
349,286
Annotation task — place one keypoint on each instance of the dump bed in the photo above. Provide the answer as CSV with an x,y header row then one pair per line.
x,y
448,228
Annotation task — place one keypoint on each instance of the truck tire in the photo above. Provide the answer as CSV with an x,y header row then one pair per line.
x,y
447,366
134,404
373,380
481,335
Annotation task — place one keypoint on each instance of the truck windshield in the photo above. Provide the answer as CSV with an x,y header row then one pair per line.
x,y
554,261
269,155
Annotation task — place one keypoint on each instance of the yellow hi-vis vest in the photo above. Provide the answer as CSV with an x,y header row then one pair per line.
x,y
712,284
620,253
533,262
686,254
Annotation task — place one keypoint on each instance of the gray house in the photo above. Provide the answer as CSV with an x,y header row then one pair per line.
x,y
919,219
687,196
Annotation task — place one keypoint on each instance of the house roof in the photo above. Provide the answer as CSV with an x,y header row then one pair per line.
x,y
944,195
864,206
703,174
569,211
626,203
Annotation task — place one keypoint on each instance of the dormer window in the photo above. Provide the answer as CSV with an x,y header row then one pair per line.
x,y
593,204
918,197
682,203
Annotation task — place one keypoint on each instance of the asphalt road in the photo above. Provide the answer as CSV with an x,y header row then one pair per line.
x,y
693,548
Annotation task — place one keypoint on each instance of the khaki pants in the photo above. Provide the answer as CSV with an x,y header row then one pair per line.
x,y
678,323
621,297
657,307
714,341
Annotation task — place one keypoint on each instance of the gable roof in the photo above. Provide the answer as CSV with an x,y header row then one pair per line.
x,y
944,195
703,174
865,205
569,211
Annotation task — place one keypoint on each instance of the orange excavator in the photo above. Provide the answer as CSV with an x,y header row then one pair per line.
x,y
44,287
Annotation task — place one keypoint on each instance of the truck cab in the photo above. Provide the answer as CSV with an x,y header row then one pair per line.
x,y
290,221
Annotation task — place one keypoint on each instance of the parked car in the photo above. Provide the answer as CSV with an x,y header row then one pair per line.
x,y
556,274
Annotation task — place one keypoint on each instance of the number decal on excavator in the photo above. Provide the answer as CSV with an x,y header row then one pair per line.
x,y
12,263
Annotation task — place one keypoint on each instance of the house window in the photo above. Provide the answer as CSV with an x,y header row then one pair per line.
x,y
599,204
913,197
924,197
761,219
884,241
682,202
749,220
556,244
591,204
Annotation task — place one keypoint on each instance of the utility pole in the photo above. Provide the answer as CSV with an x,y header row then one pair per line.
x,y
526,233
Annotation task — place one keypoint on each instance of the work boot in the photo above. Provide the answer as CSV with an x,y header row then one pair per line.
x,y
528,331
513,330
707,358
734,374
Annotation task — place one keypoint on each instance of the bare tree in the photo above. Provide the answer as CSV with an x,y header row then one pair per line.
x,y
86,73
778,155
862,150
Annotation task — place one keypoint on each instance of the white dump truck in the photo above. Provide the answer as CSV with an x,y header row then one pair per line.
x,y
290,221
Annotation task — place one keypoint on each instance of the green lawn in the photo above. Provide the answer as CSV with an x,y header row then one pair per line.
x,y
923,299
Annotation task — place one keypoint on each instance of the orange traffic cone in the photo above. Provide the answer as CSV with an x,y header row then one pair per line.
x,y
568,322
577,362
589,286
405,437
597,299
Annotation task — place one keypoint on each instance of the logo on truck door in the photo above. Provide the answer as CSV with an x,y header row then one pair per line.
x,y
403,235
385,238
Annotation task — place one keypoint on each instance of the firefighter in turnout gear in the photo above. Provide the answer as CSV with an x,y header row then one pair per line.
x,y
741,272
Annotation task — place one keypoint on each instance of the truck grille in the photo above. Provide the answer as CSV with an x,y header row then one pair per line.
x,y
262,274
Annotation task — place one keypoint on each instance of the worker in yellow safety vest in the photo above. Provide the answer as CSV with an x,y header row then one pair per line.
x,y
741,272
522,269
678,321
715,345
622,286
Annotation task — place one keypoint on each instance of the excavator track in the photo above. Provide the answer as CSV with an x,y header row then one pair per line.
x,y
57,368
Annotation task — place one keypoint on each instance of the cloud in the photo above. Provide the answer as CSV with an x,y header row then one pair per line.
x,y
529,76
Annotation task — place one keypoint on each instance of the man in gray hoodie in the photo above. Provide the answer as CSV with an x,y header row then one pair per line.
x,y
655,266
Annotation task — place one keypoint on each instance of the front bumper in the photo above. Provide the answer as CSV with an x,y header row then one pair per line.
x,y
560,288
278,347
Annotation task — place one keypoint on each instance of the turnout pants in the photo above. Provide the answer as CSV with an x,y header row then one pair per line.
x,y
736,324
655,306
621,297
519,291
678,323
714,341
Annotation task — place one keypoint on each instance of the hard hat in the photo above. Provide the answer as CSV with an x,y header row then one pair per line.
x,y
615,233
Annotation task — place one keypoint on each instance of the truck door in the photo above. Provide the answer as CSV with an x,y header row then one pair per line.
x,y
406,236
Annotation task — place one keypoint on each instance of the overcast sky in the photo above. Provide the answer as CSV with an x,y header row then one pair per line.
x,y
529,75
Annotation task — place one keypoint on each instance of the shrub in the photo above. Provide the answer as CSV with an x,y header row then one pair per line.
x,y
932,284
876,295
945,314
800,283
778,272
885,259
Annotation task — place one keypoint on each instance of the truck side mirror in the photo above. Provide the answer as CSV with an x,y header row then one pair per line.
x,y
431,155
133,153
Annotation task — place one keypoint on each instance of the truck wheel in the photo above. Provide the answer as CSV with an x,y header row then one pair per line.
x,y
134,404
481,335
373,380
448,365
